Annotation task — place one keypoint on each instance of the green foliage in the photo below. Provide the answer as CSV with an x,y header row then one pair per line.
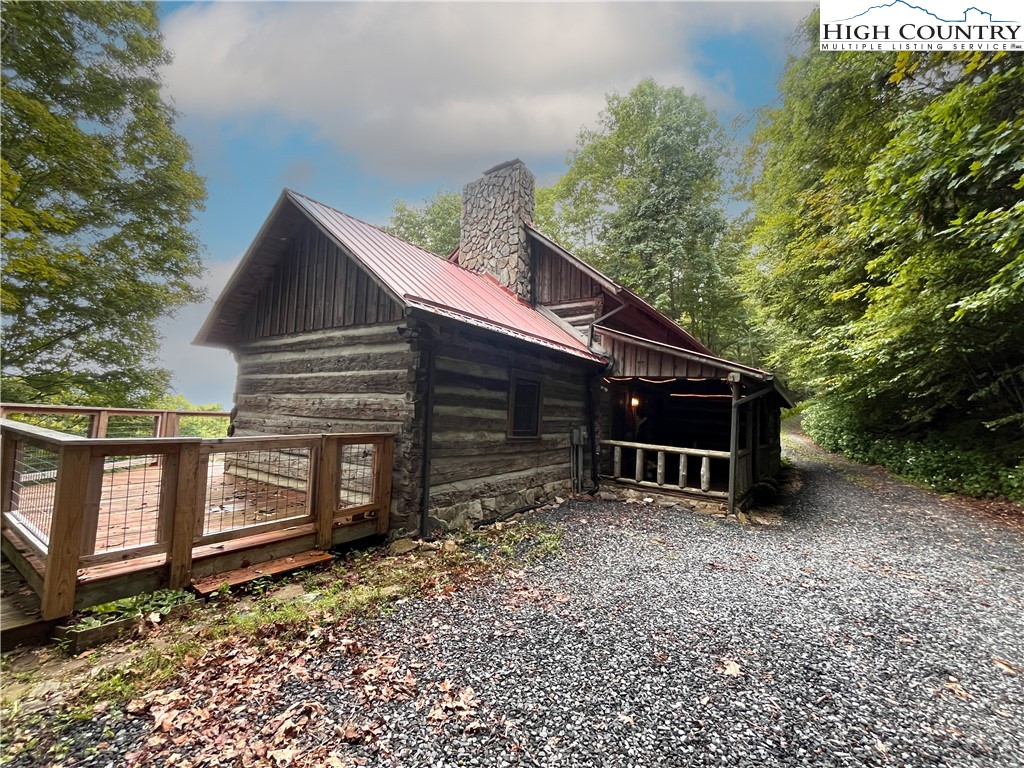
x,y
195,426
434,225
641,200
98,195
160,602
886,270
952,461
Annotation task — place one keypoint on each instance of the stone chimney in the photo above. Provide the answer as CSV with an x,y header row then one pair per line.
x,y
493,238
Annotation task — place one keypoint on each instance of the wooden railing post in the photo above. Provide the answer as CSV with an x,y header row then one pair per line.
x,y
170,424
98,424
9,451
65,541
91,508
181,500
383,460
638,469
326,489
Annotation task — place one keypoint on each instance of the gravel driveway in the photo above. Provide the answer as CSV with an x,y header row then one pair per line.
x,y
877,625
863,631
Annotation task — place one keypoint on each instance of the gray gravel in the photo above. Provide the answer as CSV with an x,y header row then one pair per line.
x,y
862,631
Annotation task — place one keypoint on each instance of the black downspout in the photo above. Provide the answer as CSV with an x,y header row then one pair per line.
x,y
592,428
428,441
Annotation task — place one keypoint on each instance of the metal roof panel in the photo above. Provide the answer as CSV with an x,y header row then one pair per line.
x,y
439,286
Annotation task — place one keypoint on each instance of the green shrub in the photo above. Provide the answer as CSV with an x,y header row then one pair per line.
x,y
950,460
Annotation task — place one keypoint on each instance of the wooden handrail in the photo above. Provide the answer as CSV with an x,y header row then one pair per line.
x,y
85,410
700,452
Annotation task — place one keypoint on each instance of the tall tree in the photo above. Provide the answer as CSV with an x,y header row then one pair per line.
x,y
98,198
887,267
641,199
434,224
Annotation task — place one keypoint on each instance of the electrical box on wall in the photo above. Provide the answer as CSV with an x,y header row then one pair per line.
x,y
579,436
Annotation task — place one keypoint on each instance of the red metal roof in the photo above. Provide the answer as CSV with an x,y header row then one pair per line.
x,y
438,286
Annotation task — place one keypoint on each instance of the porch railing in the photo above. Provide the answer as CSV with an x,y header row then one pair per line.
x,y
635,463
73,503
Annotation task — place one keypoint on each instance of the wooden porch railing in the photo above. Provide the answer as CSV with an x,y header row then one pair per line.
x,y
636,471
86,421
69,503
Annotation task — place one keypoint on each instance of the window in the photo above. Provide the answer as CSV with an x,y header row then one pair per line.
x,y
523,405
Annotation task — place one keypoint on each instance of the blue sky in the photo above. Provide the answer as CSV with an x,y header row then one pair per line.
x,y
360,104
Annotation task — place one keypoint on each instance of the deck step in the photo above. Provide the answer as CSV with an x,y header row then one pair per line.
x,y
210,584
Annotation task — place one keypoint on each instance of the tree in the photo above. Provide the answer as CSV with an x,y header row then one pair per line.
x,y
641,199
434,225
98,197
886,267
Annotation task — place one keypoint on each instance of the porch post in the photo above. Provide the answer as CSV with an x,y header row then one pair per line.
x,y
734,438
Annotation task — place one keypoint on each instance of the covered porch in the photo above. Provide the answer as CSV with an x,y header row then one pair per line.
x,y
682,421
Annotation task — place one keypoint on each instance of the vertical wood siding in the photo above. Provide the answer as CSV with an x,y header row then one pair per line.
x,y
315,287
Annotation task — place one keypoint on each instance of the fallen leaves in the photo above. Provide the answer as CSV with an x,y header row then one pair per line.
x,y
1007,667
953,686
730,667
462,704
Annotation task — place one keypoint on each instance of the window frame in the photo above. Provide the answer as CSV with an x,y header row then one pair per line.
x,y
514,377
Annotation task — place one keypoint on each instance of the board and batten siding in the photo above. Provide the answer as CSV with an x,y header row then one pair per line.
x,y
476,469
565,289
315,287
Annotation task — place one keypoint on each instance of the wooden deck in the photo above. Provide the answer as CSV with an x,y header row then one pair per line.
x,y
90,520
129,513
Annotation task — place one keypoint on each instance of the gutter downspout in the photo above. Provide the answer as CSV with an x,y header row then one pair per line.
x,y
428,442
734,438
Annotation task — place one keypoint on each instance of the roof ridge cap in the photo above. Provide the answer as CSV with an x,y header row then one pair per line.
x,y
379,228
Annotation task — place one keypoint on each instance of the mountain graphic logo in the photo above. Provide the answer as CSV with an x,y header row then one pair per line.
x,y
971,14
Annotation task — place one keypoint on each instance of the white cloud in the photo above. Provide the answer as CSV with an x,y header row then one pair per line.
x,y
202,374
416,90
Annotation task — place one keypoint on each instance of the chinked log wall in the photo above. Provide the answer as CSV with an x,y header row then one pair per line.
x,y
477,471
354,379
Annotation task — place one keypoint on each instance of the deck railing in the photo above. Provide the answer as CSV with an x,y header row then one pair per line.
x,y
87,421
647,465
71,503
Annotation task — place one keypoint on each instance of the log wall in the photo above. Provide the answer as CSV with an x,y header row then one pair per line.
x,y
356,379
477,471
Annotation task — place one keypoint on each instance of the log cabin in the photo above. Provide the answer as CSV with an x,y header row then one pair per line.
x,y
510,371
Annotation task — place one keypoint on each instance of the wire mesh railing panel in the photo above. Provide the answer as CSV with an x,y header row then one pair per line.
x,y
72,423
34,489
119,425
355,475
129,512
252,488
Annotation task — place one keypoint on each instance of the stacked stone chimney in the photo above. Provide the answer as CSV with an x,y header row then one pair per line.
x,y
493,238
